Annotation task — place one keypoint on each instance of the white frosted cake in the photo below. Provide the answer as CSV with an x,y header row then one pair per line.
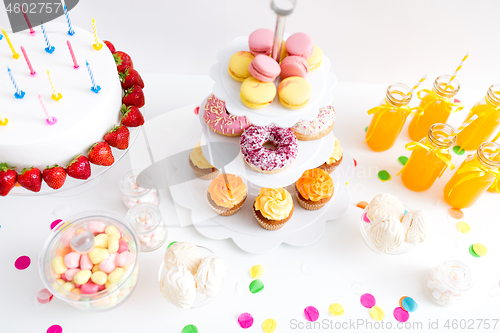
x,y
83,117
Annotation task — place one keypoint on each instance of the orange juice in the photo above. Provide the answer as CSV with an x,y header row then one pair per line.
x,y
480,130
473,178
388,118
429,160
435,107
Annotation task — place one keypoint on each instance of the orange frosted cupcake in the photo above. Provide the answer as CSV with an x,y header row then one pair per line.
x,y
200,165
334,159
273,207
226,198
314,189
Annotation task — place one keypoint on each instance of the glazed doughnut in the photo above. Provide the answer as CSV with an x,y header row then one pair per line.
x,y
220,121
316,128
265,160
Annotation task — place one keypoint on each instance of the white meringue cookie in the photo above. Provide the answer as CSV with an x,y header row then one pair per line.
x,y
183,254
210,276
416,224
385,204
387,234
178,287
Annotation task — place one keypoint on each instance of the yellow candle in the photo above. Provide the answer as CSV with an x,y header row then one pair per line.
x,y
3,121
55,95
97,46
15,55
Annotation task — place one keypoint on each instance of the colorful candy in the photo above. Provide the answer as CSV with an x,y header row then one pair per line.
x,y
58,265
116,275
97,255
72,260
99,278
101,241
82,276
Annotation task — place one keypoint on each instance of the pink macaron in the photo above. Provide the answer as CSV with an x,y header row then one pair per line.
x,y
261,42
294,66
264,68
300,44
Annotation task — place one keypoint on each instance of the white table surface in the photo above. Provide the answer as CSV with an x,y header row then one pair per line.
x,y
340,257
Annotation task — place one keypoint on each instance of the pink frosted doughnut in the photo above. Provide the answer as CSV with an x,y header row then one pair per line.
x,y
266,160
220,121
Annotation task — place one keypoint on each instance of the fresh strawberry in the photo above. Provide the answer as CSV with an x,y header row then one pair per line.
x,y
130,77
132,117
134,96
31,179
110,46
79,168
100,154
54,176
8,179
123,61
118,137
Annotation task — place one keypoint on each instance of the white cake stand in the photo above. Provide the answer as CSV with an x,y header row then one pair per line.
x,y
226,88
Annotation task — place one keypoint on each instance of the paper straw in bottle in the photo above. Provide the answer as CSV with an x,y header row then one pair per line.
x,y
457,70
417,85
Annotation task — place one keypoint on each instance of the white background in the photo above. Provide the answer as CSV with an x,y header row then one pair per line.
x,y
372,42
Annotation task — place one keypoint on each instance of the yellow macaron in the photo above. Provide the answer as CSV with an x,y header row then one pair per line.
x,y
238,65
316,59
294,92
256,94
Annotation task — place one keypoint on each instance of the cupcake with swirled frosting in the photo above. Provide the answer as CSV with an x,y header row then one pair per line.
x,y
273,207
335,158
178,287
201,167
314,189
226,194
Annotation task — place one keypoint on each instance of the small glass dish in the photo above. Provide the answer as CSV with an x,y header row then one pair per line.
x,y
149,225
364,226
132,191
201,299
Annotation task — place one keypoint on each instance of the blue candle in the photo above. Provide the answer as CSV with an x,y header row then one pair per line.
x,y
49,48
95,88
19,93
71,32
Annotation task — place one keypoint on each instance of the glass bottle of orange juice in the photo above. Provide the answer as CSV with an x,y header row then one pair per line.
x,y
474,177
480,130
388,118
429,159
435,107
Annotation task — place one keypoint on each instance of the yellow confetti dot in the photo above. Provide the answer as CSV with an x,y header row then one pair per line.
x,y
269,325
377,313
256,271
463,227
336,309
480,249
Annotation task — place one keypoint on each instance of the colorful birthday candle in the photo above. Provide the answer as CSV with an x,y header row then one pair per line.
x,y
55,94
15,55
3,121
32,32
97,45
49,119
71,32
95,88
32,72
19,93
75,64
49,48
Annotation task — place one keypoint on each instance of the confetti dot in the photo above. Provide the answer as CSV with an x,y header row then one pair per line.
x,y
403,159
311,313
408,304
169,245
367,300
54,224
400,315
456,213
61,210
471,251
463,227
190,329
245,320
196,110
366,128
480,249
256,271
362,204
377,313
269,325
365,217
384,175
336,309
54,329
458,150
358,288
355,162
22,262
401,301
256,286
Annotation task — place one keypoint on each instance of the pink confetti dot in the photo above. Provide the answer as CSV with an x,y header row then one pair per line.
x,y
368,301
401,315
54,329
22,262
365,217
54,224
196,110
245,320
311,313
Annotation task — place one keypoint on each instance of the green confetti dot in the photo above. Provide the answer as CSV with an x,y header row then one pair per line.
x,y
403,159
458,150
472,252
256,286
366,129
169,245
384,175
190,329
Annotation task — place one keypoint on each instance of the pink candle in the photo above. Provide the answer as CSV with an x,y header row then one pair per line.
x,y
50,120
32,72
76,66
32,32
